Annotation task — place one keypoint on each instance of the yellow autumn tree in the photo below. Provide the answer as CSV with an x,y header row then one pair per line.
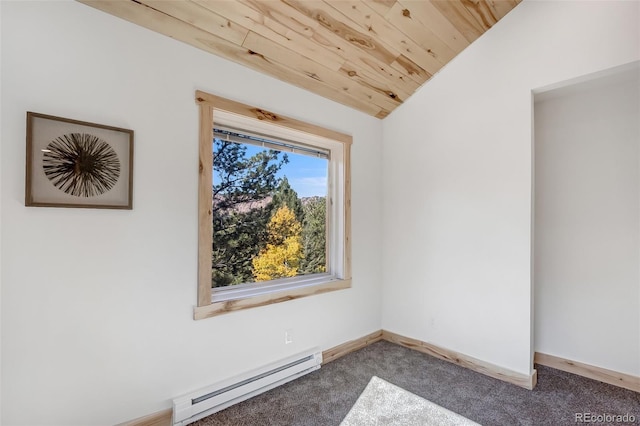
x,y
281,257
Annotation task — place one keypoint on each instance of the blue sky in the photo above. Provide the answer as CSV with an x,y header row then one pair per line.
x,y
307,175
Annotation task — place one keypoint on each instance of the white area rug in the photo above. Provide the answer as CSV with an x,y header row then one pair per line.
x,y
382,403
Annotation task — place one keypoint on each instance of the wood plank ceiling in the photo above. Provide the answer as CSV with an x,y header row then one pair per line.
x,y
370,55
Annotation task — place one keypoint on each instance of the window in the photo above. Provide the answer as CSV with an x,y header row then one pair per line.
x,y
269,209
260,241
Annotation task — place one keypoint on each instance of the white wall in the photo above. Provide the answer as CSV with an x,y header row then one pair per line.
x,y
587,222
0,218
97,305
457,177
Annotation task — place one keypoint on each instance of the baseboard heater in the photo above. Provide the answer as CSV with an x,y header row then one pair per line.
x,y
211,399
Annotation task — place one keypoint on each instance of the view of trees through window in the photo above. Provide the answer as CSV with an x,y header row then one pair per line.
x,y
269,214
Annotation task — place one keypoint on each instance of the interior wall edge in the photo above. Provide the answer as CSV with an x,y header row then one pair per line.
x,y
583,78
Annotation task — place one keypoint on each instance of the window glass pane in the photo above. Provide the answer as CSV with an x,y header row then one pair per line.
x,y
269,214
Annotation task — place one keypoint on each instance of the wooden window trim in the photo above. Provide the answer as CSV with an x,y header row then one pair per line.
x,y
208,104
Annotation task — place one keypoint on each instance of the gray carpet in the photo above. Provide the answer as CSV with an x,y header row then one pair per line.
x,y
324,397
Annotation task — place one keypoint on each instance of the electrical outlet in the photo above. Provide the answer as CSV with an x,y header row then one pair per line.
x,y
288,336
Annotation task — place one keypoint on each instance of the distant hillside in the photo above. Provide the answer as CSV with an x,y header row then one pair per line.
x,y
245,207
307,200
259,204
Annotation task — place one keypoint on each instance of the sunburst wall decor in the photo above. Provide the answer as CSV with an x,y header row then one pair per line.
x,y
72,163
81,164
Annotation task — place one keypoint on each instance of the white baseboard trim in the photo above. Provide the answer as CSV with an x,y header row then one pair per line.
x,y
611,377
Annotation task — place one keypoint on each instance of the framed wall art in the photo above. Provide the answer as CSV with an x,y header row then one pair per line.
x,y
73,163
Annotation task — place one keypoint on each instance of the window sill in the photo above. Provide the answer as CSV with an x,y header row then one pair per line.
x,y
310,288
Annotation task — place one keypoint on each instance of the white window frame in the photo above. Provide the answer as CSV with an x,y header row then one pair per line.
x,y
220,112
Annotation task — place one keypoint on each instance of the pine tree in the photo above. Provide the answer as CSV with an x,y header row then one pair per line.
x,y
287,196
240,209
314,236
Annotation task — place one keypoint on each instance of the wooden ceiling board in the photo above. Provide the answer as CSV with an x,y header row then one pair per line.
x,y
460,17
165,24
280,12
305,66
488,12
300,33
200,17
412,16
381,6
350,50
385,33
325,82
375,82
370,55
333,23
374,92
271,27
